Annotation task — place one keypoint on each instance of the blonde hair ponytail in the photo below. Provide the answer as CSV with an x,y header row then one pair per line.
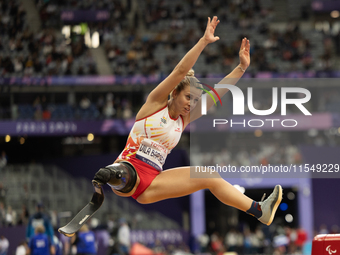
x,y
189,80
191,73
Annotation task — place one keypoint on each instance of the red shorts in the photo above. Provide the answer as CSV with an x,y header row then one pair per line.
x,y
146,175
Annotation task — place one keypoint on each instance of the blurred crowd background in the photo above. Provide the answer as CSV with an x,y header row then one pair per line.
x,y
150,37
55,64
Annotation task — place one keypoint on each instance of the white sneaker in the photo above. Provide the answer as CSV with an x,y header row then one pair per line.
x,y
269,206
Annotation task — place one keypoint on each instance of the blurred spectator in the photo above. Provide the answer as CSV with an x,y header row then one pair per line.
x,y
71,99
248,242
84,103
46,114
301,238
58,246
18,64
2,214
325,61
40,244
112,228
37,107
323,229
14,111
10,216
3,163
259,240
100,104
85,241
54,218
22,249
4,244
234,241
127,111
2,194
39,218
216,243
124,237
109,110
24,216
231,240
66,244
158,247
203,241
280,241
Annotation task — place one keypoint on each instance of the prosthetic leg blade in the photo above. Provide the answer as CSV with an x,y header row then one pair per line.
x,y
86,213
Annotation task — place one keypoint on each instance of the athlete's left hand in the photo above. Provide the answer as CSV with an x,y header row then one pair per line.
x,y
244,54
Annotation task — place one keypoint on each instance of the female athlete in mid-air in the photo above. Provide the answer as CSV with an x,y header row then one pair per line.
x,y
159,124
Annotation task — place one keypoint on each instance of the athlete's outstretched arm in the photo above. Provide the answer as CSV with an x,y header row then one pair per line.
x,y
232,78
161,92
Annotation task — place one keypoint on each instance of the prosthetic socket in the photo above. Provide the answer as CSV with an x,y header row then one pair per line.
x,y
120,176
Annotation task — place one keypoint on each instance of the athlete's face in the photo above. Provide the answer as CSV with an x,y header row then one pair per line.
x,y
187,99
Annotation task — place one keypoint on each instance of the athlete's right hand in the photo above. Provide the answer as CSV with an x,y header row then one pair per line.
x,y
209,36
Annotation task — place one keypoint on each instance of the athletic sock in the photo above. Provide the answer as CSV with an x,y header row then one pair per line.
x,y
255,210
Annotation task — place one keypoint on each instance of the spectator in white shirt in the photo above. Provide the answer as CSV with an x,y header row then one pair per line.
x,y
124,237
4,244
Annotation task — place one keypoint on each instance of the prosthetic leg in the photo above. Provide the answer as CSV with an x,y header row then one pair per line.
x,y
120,176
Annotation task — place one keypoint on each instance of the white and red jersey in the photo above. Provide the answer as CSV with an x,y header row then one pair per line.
x,y
152,138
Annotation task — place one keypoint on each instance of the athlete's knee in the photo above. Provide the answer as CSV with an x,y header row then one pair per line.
x,y
215,175
209,182
120,176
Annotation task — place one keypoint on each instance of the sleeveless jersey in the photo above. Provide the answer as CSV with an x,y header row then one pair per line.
x,y
152,138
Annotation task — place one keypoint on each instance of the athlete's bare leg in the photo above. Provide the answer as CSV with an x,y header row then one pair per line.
x,y
177,183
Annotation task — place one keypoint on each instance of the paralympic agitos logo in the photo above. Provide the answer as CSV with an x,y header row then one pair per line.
x,y
239,102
